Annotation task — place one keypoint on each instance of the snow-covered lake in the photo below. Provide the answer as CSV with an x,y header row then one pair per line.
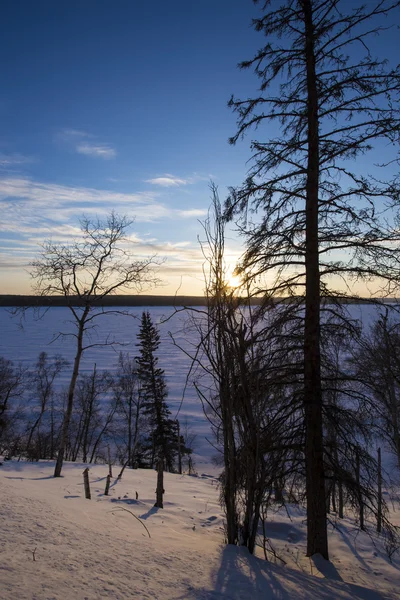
x,y
22,341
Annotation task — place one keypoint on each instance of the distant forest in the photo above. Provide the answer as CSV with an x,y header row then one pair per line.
x,y
117,300
11,300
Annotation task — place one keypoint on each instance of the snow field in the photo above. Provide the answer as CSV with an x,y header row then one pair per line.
x,y
91,549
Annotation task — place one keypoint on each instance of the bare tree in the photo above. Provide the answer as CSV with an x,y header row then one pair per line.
x,y
237,371
12,385
321,222
84,272
43,379
129,404
94,413
376,362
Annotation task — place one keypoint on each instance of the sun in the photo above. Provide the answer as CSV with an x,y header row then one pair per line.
x,y
234,281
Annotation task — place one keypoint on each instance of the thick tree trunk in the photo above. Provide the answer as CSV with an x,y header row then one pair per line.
x,y
317,538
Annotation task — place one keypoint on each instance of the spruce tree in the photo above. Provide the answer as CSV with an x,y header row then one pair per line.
x,y
162,439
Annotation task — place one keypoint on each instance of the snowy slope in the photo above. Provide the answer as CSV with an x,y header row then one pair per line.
x,y
91,549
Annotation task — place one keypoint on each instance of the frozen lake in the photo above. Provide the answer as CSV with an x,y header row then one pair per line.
x,y
22,343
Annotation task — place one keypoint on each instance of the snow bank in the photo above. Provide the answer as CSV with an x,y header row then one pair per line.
x,y
55,545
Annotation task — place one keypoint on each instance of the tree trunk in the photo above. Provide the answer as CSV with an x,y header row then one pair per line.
x,y
179,448
379,511
107,488
160,484
333,495
32,431
52,441
340,500
109,460
88,416
86,483
229,487
359,493
317,535
70,402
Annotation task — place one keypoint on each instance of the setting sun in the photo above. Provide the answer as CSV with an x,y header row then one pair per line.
x,y
234,281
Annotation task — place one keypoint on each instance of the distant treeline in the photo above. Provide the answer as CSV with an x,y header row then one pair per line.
x,y
117,300
11,300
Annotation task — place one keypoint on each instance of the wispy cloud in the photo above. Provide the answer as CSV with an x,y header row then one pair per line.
x,y
86,143
74,133
98,150
34,211
167,181
192,212
10,160
26,203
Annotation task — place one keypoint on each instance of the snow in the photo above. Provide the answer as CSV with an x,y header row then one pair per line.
x,y
91,549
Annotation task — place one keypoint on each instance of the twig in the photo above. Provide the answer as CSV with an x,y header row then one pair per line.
x,y
133,515
33,554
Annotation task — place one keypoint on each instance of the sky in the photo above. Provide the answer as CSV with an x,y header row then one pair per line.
x,y
122,105
119,105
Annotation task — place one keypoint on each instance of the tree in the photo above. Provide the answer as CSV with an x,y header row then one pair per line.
x,y
12,386
85,272
188,442
247,396
43,381
94,414
321,222
153,391
129,404
376,363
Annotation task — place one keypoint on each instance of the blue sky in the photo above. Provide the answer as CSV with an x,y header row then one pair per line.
x,y
118,105
121,105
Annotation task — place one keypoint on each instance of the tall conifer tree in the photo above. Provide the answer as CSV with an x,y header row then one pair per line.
x,y
162,438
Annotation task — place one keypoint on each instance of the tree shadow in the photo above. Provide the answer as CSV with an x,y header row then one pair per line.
x,y
352,547
326,568
152,511
31,478
124,500
97,480
240,575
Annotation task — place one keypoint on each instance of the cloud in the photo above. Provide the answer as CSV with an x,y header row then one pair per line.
x,y
27,205
10,160
167,181
34,211
192,212
98,150
74,133
86,143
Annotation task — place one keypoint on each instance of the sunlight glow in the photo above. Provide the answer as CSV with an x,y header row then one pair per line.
x,y
234,281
